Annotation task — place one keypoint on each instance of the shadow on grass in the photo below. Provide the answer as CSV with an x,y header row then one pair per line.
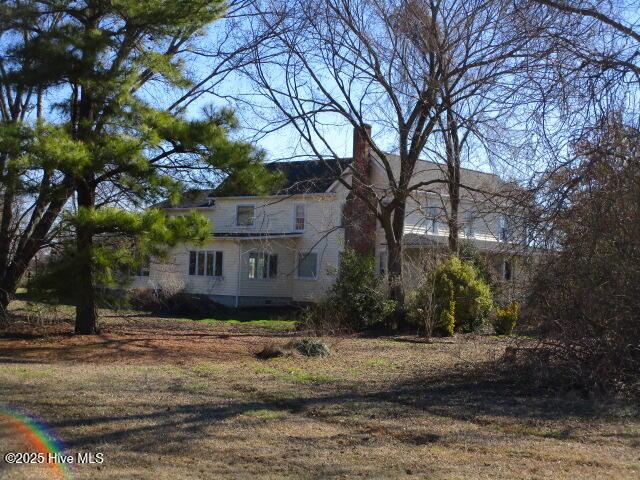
x,y
207,310
143,346
479,396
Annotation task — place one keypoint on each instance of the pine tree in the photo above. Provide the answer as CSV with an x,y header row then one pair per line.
x,y
115,145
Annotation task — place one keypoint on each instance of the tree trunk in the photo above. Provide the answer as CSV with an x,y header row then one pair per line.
x,y
394,268
454,229
86,309
5,297
394,240
393,234
453,169
8,205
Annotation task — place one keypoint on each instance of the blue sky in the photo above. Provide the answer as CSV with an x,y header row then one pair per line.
x,y
284,143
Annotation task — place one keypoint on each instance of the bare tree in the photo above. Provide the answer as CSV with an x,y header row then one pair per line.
x,y
406,68
591,76
619,51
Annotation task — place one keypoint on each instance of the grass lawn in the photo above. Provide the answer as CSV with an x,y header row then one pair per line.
x,y
271,319
180,399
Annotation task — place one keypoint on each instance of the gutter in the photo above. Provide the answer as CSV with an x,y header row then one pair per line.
x,y
237,303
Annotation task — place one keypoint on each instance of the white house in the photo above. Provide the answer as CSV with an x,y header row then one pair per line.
x,y
285,248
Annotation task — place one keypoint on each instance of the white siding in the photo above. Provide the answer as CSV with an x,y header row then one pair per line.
x,y
172,273
274,217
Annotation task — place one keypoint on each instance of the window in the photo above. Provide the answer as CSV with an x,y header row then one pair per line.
x,y
207,263
432,218
245,215
298,217
210,261
218,267
504,229
273,266
507,270
263,265
200,268
528,234
192,263
469,220
307,265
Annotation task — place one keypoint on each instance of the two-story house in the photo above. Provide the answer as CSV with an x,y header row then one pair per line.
x,y
285,247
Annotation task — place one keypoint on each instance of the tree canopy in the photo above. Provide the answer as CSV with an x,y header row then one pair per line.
x,y
111,144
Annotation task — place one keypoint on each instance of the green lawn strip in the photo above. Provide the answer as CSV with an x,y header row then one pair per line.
x,y
265,323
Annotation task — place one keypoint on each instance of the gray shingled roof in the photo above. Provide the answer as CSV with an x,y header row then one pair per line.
x,y
304,176
308,176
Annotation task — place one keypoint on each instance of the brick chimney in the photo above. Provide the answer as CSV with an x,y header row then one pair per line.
x,y
359,220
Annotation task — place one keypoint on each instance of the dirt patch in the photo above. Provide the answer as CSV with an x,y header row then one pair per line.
x,y
133,337
143,340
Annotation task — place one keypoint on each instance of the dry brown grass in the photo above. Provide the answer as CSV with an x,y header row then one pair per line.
x,y
169,399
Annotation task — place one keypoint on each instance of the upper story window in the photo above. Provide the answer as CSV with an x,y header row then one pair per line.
x,y
263,265
207,263
504,233
469,223
432,217
245,215
308,265
299,217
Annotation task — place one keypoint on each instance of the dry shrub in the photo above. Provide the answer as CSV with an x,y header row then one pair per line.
x,y
323,318
36,314
586,296
420,303
269,351
168,302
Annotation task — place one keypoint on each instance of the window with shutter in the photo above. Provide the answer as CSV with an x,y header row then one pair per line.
x,y
299,217
218,270
192,263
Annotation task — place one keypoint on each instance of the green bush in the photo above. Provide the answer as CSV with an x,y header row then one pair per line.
x,y
506,318
356,295
469,253
447,320
461,294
